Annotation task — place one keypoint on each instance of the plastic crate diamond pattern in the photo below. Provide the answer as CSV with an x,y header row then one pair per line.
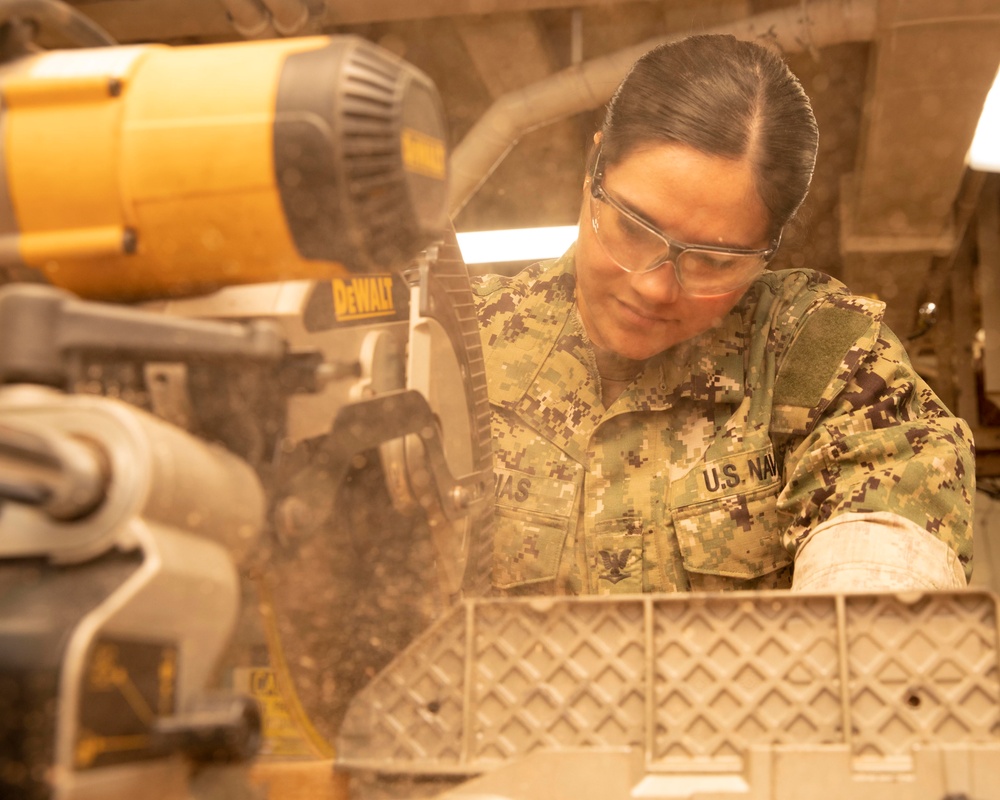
x,y
726,673
573,673
694,681
415,707
928,667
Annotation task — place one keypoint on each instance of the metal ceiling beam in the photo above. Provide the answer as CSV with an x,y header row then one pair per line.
x,y
490,43
350,12
934,63
160,20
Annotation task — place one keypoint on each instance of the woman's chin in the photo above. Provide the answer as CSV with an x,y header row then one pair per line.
x,y
638,350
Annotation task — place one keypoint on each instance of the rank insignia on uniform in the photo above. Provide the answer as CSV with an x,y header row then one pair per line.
x,y
615,563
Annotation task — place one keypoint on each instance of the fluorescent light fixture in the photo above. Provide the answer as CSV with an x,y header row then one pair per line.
x,y
985,151
520,244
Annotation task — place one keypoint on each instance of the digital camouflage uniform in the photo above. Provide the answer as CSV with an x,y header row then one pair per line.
x,y
722,456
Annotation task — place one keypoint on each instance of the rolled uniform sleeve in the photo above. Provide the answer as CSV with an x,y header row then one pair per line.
x,y
884,475
859,552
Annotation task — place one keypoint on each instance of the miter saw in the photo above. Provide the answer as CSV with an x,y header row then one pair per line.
x,y
238,358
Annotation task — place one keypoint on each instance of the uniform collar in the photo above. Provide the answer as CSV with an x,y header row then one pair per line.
x,y
539,328
707,369
541,366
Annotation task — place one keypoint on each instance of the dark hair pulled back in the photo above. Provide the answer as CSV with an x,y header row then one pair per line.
x,y
724,97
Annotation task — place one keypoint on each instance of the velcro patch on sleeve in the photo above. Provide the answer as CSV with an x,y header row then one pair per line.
x,y
815,355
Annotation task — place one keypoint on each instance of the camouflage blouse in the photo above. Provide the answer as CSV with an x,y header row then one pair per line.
x,y
719,460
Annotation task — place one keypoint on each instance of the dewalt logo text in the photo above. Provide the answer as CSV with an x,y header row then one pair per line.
x,y
423,154
363,297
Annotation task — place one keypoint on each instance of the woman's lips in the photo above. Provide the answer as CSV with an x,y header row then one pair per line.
x,y
638,316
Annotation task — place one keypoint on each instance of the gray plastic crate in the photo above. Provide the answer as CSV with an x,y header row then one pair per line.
x,y
702,695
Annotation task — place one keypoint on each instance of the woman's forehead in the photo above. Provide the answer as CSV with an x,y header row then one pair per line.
x,y
691,195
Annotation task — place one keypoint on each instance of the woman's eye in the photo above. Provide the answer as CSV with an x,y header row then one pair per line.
x,y
709,262
632,229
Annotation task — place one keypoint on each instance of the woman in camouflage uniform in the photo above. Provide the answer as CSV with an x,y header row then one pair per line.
x,y
668,416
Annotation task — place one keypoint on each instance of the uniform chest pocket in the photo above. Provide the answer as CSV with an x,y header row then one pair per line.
x,y
726,519
533,518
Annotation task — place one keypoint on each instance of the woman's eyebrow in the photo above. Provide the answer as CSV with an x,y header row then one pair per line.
x,y
640,215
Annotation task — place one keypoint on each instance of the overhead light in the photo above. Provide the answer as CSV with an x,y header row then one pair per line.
x,y
518,244
985,151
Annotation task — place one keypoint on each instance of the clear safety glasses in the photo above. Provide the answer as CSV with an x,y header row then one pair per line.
x,y
636,246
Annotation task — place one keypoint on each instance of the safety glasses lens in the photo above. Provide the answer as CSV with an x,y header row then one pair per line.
x,y
635,248
708,273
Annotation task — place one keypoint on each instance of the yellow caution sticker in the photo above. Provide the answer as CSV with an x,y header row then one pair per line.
x,y
281,736
128,685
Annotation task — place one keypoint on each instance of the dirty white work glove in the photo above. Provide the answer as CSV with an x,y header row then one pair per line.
x,y
873,552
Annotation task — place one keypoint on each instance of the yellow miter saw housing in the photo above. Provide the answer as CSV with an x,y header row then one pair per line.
x,y
150,171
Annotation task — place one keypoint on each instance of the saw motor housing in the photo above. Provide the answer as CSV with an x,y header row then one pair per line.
x,y
145,172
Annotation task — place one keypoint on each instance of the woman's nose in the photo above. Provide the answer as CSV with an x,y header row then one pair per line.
x,y
658,286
